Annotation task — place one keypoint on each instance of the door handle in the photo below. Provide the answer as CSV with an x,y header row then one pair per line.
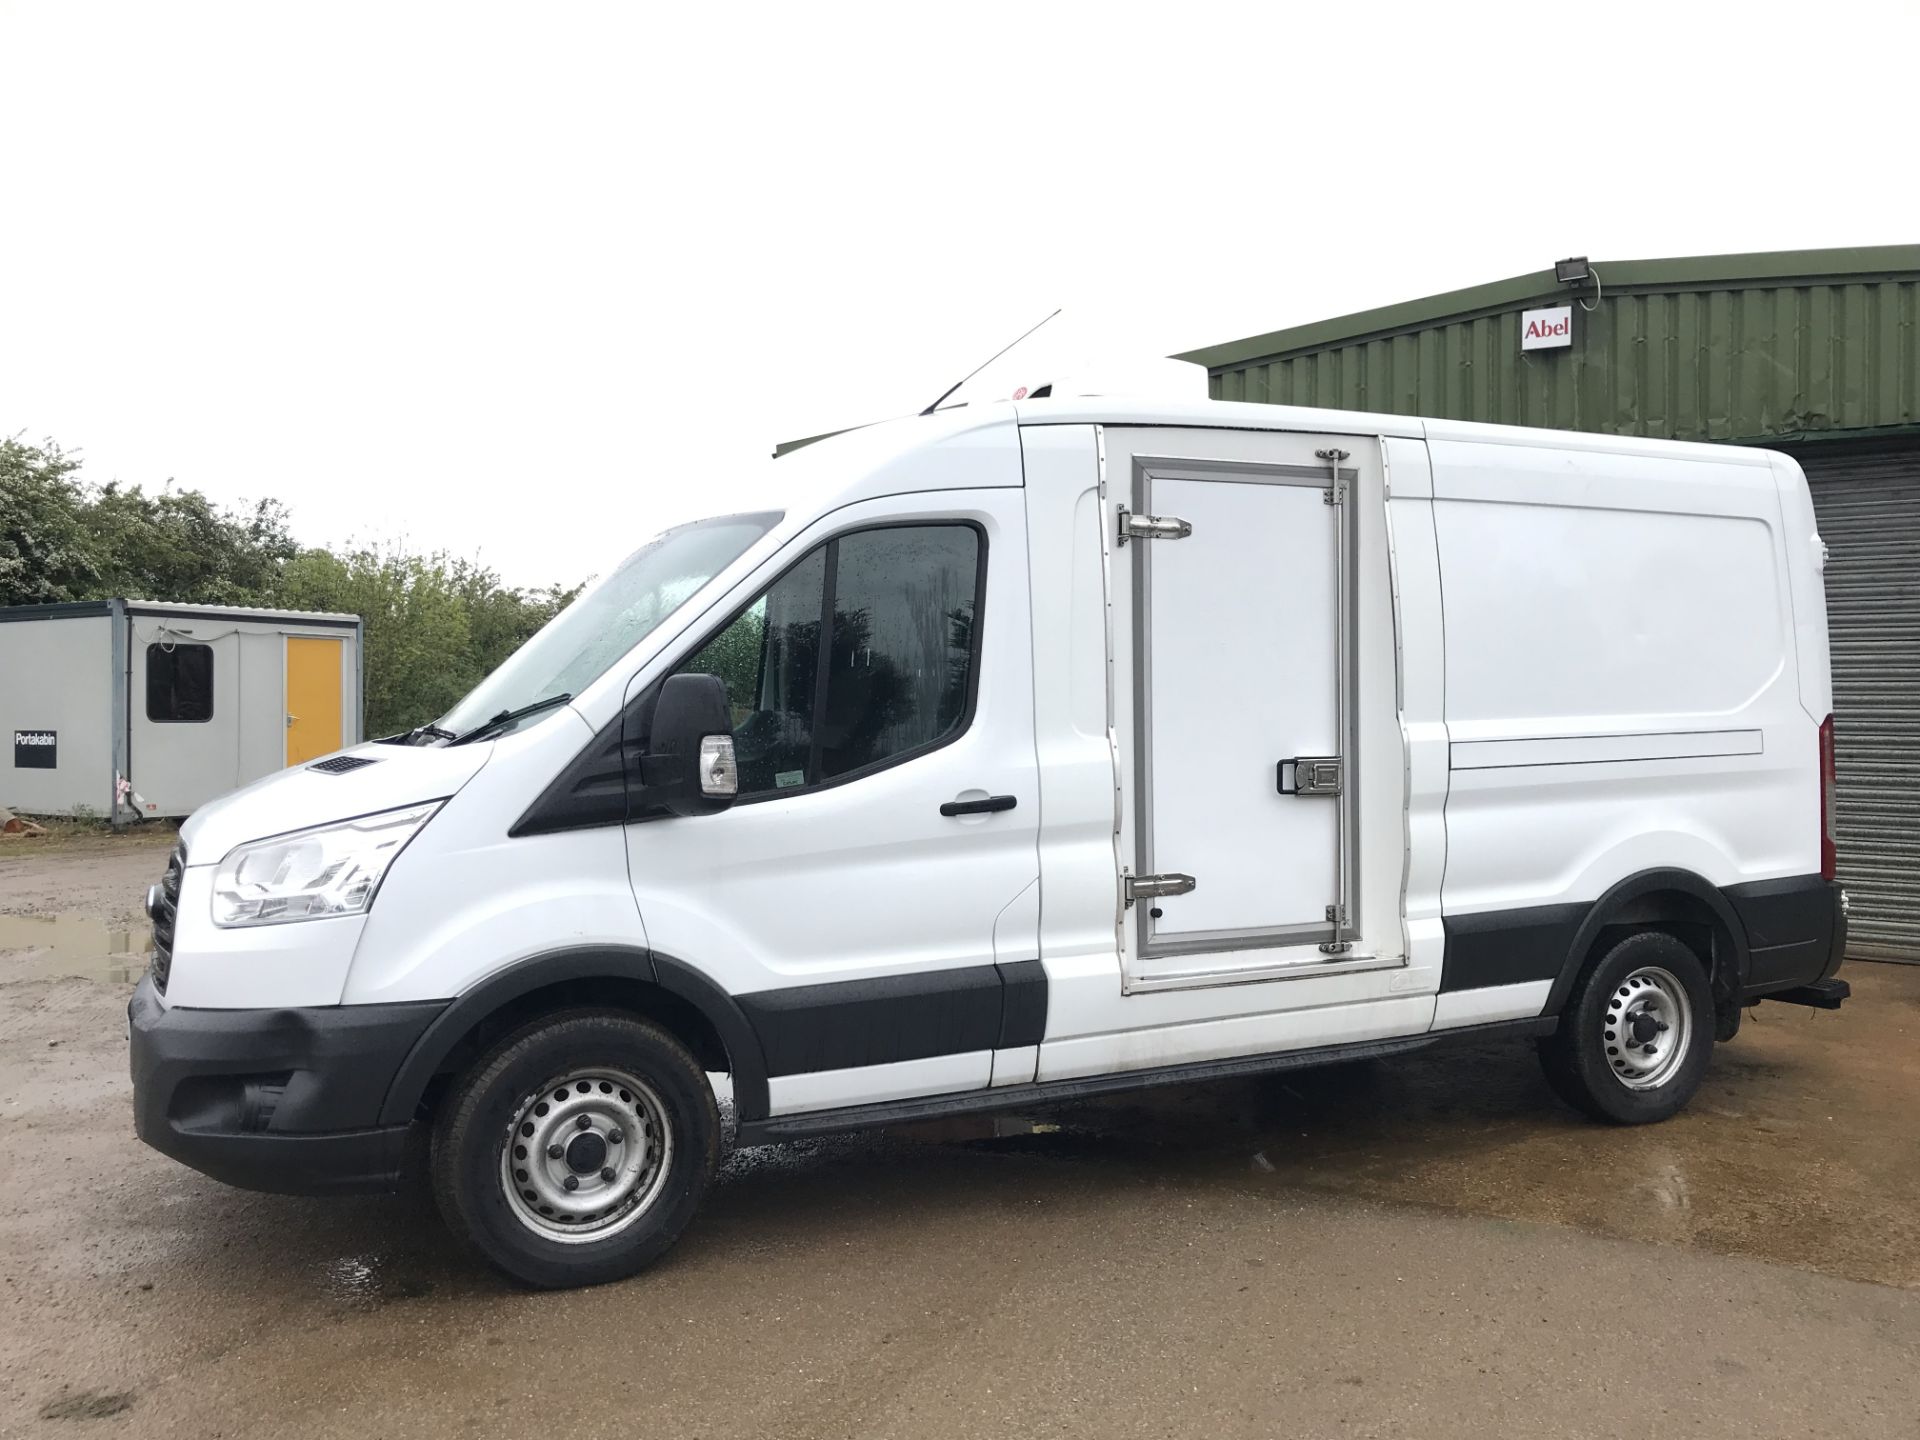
x,y
979,807
1311,775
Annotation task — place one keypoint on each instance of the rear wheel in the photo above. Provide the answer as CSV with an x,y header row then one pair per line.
x,y
1636,1034
576,1150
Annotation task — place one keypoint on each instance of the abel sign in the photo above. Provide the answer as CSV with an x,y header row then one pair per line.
x,y
1550,329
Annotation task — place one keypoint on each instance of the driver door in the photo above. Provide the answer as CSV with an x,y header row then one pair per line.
x,y
852,898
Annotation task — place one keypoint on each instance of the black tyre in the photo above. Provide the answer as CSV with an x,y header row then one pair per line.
x,y
1636,1033
577,1149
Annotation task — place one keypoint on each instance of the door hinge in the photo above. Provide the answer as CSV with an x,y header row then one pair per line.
x,y
1312,775
1337,491
1152,527
1153,887
1337,918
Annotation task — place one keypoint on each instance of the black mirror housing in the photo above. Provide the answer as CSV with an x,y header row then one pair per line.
x,y
691,710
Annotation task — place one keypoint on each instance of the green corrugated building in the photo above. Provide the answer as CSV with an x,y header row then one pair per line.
x,y
1813,352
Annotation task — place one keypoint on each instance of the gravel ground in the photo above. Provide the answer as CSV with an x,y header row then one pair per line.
x,y
101,876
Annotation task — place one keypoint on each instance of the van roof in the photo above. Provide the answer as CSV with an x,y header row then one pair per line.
x,y
873,446
1243,415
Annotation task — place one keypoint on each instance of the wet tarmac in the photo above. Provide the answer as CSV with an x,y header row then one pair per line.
x,y
1428,1247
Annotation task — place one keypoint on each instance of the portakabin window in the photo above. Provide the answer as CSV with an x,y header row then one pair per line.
x,y
179,683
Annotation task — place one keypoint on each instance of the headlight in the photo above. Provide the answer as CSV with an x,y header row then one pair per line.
x,y
310,874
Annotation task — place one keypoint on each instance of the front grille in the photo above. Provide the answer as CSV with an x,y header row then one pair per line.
x,y
341,764
162,911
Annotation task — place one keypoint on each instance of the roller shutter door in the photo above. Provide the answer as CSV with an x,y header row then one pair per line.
x,y
1868,503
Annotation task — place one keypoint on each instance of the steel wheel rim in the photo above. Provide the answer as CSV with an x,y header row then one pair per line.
x,y
1647,1028
613,1141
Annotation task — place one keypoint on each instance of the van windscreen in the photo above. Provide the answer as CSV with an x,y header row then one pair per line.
x,y
576,647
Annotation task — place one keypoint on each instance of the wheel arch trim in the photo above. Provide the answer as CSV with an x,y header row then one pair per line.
x,y
1606,910
747,1066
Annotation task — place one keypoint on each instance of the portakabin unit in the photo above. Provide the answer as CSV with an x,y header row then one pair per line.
x,y
135,707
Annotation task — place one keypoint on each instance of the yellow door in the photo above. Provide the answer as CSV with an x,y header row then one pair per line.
x,y
313,698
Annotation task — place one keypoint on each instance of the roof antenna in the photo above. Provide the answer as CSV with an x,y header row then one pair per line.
x,y
983,365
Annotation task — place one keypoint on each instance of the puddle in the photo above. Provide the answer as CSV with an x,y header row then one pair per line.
x,y
55,946
367,1282
974,1129
1475,1130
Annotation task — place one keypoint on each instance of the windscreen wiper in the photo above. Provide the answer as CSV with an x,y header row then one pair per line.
x,y
507,717
431,732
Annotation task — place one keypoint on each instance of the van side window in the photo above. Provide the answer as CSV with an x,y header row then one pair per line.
x,y
904,601
180,683
769,657
861,655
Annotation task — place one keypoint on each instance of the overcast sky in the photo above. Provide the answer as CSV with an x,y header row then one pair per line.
x,y
530,281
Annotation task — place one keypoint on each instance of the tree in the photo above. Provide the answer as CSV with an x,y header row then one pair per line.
x,y
62,540
47,552
499,618
177,546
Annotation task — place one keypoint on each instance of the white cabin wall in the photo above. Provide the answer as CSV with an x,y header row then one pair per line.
x,y
57,674
263,680
176,765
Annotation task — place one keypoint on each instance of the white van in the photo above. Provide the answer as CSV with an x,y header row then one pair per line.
x,y
1015,755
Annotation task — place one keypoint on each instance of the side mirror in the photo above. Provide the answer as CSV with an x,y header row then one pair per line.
x,y
689,768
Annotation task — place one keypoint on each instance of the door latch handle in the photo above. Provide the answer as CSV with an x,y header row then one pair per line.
x,y
979,807
1311,775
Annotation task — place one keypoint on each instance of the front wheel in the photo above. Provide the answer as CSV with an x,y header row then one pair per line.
x,y
1636,1034
577,1149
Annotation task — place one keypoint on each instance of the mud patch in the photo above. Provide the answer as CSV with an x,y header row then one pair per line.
x,y
88,1405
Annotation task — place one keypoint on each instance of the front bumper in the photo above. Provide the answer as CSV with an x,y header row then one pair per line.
x,y
281,1100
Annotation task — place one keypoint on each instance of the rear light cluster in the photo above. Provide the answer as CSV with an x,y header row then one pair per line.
x,y
1829,852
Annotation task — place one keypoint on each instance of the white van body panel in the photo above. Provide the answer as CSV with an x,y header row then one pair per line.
x,y
472,901
1489,1004
866,1084
1621,682
1016,937
1420,700
1806,564
300,798
1078,768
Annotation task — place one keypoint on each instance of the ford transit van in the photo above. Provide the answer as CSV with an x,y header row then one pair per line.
x,y
1006,756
